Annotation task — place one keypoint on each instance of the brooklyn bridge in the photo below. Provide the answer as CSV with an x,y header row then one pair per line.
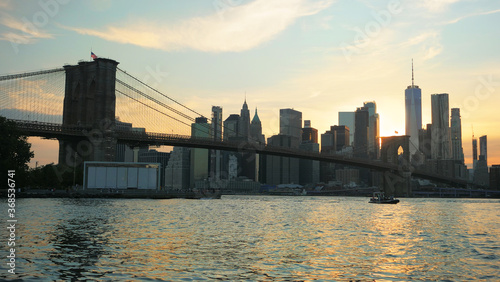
x,y
83,105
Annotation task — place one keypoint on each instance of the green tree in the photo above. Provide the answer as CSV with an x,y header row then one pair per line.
x,y
15,152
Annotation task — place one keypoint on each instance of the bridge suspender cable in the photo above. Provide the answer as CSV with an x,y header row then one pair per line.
x,y
28,74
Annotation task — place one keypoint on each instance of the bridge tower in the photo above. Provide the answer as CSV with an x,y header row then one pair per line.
x,y
396,149
89,102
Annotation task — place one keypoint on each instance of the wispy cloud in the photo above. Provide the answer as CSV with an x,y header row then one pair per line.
x,y
6,4
22,32
242,27
471,15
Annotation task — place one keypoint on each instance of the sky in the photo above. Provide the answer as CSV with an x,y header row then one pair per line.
x,y
315,56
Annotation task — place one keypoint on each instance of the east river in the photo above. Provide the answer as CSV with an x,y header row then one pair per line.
x,y
259,238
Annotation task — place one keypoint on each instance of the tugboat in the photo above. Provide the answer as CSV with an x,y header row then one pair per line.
x,y
380,198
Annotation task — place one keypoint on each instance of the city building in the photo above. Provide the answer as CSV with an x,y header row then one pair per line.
x,y
256,129
244,122
481,176
291,123
231,128
199,157
215,155
474,152
309,170
348,119
483,148
309,134
441,149
425,141
361,123
495,177
413,113
373,130
456,136
153,156
177,172
282,170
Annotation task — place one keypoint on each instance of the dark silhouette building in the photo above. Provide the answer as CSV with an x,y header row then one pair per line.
x,y
495,177
361,121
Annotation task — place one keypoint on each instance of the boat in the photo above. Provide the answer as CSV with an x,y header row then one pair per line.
x,y
380,198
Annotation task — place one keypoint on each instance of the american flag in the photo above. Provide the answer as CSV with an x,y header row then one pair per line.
x,y
93,55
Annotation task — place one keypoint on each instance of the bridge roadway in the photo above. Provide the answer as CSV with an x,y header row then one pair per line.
x,y
58,131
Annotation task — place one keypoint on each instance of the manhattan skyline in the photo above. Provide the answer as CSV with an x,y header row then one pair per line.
x,y
320,57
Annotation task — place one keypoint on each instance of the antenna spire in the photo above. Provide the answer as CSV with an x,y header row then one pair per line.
x,y
412,73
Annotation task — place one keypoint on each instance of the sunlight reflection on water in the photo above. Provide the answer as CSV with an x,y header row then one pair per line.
x,y
258,238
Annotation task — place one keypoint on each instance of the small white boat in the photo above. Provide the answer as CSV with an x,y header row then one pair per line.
x,y
380,198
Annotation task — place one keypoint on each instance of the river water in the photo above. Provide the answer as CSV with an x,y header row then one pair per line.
x,y
260,238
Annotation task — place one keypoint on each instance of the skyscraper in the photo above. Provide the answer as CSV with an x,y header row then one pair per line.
x,y
309,134
413,113
456,135
347,119
199,157
291,123
256,129
361,121
215,155
483,148
231,128
244,124
474,152
440,149
373,129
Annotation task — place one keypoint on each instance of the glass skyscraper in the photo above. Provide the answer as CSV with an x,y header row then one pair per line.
x,y
413,110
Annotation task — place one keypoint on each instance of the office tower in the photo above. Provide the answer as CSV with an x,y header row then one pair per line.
x,y
361,121
291,123
244,124
342,136
425,141
373,130
413,113
215,155
177,172
495,177
309,169
256,129
199,157
474,152
483,148
441,149
282,170
347,119
231,128
309,134
456,136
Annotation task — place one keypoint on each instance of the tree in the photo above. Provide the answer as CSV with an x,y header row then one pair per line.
x,y
15,152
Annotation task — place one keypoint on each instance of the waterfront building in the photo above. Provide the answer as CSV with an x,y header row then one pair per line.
x,y
456,136
177,172
413,113
282,170
199,156
441,149
495,177
153,156
348,119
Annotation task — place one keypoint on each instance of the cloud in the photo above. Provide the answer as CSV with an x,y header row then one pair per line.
x,y
234,29
24,32
437,6
6,4
471,15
